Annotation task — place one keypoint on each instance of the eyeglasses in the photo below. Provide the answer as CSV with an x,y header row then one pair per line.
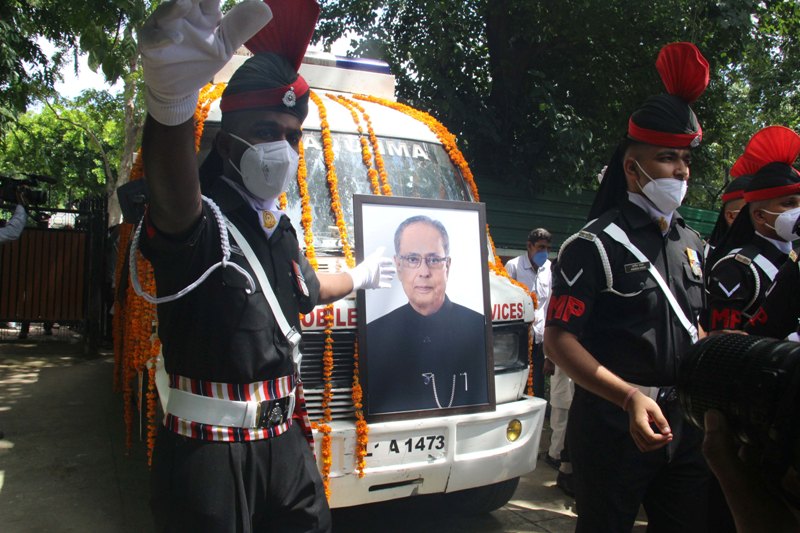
x,y
434,262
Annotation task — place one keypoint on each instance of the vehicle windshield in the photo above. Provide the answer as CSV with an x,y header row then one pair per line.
x,y
414,168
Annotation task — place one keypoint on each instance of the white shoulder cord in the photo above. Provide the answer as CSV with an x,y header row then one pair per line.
x,y
586,235
225,262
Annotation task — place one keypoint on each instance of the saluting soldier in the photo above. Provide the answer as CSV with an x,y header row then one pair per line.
x,y
627,292
747,259
232,455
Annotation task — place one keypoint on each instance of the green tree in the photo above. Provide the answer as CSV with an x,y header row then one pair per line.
x,y
102,29
539,92
77,142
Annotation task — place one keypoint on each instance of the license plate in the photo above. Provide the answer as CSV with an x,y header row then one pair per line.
x,y
406,449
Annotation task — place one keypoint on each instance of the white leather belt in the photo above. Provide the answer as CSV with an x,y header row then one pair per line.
x,y
218,411
230,413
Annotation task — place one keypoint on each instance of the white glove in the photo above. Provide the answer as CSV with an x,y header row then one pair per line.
x,y
374,272
184,43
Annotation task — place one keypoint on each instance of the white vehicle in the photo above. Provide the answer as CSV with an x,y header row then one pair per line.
x,y
482,455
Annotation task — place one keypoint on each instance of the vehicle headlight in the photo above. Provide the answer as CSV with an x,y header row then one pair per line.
x,y
508,347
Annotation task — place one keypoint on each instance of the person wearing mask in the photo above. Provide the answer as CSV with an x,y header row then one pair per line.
x,y
233,453
533,270
627,292
745,262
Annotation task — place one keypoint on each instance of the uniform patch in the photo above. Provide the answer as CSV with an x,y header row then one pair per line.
x,y
728,292
742,259
572,281
793,256
299,279
637,267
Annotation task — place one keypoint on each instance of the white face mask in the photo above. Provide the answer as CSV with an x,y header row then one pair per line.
x,y
667,194
267,167
785,223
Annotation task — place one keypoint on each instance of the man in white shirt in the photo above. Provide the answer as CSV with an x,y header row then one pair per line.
x,y
533,269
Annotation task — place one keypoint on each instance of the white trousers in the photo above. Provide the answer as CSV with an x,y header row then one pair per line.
x,y
561,391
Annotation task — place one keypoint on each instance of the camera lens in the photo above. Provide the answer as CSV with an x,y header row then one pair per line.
x,y
753,381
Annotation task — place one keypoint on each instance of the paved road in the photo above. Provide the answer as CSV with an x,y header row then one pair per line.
x,y
64,466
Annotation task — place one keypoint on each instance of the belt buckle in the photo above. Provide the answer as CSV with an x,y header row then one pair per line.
x,y
269,413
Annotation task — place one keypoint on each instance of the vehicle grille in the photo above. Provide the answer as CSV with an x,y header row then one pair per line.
x,y
311,347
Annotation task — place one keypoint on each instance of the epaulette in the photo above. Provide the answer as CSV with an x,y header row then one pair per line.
x,y
694,231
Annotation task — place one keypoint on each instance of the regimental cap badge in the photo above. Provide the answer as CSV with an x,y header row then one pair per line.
x,y
290,98
695,142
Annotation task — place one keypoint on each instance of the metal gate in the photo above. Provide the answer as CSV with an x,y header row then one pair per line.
x,y
58,274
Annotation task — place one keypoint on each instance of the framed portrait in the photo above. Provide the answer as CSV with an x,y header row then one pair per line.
x,y
425,343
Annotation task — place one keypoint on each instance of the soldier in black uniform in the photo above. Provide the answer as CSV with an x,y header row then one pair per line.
x,y
232,454
618,331
747,259
779,314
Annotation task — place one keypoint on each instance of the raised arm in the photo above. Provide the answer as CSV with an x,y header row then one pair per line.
x,y
183,44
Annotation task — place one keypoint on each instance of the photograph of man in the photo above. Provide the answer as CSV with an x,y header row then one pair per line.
x,y
431,352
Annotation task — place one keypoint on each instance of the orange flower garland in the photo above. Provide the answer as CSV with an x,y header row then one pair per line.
x,y
136,344
362,428
333,181
448,141
327,398
373,139
208,94
372,174
305,209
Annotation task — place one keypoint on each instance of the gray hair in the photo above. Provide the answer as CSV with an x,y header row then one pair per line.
x,y
422,219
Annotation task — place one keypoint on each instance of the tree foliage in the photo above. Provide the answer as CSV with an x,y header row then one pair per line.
x,y
539,92
77,142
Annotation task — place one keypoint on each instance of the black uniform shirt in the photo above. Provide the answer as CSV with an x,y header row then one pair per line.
x,y
218,332
732,285
632,331
779,314
449,346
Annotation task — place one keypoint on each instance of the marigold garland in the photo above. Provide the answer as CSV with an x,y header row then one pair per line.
x,y
386,189
136,344
372,174
327,398
362,428
333,181
306,216
448,141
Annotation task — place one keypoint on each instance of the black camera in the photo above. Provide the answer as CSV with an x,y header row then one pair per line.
x,y
755,383
10,186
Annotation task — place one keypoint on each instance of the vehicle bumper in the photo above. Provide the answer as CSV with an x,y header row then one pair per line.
x,y
477,453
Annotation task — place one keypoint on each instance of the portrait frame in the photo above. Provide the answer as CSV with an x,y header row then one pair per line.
x,y
396,342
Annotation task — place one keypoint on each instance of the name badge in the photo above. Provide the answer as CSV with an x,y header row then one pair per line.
x,y
636,267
